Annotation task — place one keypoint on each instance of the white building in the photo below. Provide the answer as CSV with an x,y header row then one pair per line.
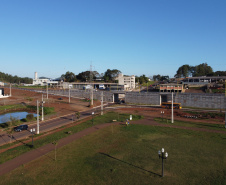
x,y
42,81
127,81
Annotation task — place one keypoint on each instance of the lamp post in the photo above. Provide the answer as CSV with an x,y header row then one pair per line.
x,y
32,132
162,113
163,155
92,116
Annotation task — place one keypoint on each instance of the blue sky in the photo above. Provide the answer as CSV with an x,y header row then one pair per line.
x,y
134,36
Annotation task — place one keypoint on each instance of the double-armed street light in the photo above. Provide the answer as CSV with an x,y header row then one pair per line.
x,y
163,155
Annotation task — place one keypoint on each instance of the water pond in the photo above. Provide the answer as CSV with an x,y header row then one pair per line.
x,y
18,115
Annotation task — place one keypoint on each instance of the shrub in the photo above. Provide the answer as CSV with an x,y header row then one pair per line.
x,y
30,117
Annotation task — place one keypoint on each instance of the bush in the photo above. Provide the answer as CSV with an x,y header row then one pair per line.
x,y
30,117
48,110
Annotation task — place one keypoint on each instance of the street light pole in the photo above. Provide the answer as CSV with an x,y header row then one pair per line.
x,y
163,155
37,117
172,108
92,116
42,108
32,132
162,112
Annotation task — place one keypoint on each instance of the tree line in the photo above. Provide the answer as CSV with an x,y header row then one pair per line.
x,y
199,70
87,76
4,77
191,71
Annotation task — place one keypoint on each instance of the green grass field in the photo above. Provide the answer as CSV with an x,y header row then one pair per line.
x,y
208,126
129,155
106,118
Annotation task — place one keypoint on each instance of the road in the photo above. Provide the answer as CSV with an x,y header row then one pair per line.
x,y
45,126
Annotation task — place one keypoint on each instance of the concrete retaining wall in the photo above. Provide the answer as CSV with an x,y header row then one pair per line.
x,y
202,100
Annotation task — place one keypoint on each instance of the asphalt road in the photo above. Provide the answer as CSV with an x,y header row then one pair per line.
x,y
45,126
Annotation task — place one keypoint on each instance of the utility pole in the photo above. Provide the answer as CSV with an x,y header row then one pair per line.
x,y
42,108
172,108
69,94
91,89
102,107
37,117
10,90
47,92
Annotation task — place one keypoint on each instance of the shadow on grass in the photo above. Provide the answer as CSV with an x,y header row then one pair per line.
x,y
25,144
33,147
130,164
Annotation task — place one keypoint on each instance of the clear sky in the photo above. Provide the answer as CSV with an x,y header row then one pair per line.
x,y
136,37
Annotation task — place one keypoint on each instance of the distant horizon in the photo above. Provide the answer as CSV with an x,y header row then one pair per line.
x,y
136,37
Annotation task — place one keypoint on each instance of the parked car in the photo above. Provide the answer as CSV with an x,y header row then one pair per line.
x,y
20,128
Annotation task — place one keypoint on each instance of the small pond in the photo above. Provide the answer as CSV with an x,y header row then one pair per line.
x,y
18,115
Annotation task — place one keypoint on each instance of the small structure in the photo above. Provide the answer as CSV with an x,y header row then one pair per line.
x,y
2,94
171,88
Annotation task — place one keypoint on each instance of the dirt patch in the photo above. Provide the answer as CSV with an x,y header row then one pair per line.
x,y
178,115
61,104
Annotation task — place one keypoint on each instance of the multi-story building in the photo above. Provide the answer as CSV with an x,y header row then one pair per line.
x,y
127,81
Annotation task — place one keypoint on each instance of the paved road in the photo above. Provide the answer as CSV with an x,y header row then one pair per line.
x,y
45,126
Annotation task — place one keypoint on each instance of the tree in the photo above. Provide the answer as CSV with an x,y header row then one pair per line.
x,y
183,71
69,77
156,77
85,76
220,73
14,79
203,70
110,75
199,70
142,79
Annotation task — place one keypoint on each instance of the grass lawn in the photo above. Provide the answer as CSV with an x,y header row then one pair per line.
x,y
192,124
129,155
106,118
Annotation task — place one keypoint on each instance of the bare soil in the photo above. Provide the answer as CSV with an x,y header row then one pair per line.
x,y
61,104
178,115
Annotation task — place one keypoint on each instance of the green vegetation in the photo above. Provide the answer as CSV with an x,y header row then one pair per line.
x,y
129,155
14,79
19,107
11,107
30,117
29,99
47,110
106,118
208,126
33,87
